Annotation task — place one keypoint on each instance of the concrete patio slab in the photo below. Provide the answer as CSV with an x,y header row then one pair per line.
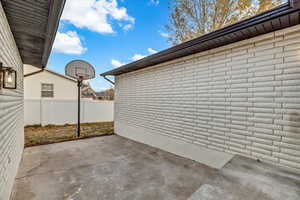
x,y
246,179
115,168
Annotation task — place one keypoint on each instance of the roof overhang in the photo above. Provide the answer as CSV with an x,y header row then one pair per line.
x,y
278,18
34,24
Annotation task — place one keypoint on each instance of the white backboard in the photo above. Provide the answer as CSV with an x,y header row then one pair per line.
x,y
80,70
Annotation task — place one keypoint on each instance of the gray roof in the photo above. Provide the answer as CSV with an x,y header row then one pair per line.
x,y
34,24
278,18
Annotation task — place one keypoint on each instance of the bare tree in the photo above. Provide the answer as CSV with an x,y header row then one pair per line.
x,y
107,94
193,18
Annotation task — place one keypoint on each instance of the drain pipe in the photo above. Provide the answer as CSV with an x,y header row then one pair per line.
x,y
108,80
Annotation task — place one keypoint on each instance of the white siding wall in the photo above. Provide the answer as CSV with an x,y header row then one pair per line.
x,y
29,69
11,112
63,88
243,98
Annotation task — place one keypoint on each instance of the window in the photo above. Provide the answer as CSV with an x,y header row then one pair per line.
x,y
47,90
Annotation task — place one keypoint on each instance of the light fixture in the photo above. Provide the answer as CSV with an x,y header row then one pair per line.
x,y
8,77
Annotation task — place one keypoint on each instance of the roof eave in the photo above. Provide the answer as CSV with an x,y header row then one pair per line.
x,y
192,45
56,9
34,25
52,72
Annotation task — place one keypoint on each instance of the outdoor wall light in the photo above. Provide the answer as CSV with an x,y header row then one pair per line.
x,y
8,77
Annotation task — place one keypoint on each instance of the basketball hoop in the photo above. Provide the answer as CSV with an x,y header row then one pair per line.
x,y
79,70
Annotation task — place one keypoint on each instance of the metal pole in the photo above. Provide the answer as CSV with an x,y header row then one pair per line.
x,y
78,117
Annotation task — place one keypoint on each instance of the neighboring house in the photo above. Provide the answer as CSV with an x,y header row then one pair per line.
x,y
232,91
27,32
45,83
87,91
105,95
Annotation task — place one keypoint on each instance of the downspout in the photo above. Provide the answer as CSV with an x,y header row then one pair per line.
x,y
108,80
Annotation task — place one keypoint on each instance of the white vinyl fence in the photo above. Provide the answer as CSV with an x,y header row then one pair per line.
x,y
59,112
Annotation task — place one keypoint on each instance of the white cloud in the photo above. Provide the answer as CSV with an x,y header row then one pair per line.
x,y
154,2
95,15
151,51
68,43
127,27
116,63
137,57
163,34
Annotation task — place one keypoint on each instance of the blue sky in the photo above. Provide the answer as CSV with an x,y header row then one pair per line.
x,y
108,33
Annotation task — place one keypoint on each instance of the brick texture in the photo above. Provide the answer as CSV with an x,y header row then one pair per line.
x,y
11,112
242,98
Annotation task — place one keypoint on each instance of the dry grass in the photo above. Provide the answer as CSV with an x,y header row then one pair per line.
x,y
37,135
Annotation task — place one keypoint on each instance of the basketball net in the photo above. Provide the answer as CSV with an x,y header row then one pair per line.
x,y
82,76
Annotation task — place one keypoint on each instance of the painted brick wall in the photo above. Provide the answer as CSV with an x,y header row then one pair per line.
x,y
243,98
11,112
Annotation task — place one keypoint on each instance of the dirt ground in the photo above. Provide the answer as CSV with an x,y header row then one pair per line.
x,y
37,135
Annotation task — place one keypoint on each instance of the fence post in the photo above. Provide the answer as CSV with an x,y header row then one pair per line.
x,y
41,112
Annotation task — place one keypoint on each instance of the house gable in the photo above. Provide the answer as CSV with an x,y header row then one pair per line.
x,y
50,72
64,87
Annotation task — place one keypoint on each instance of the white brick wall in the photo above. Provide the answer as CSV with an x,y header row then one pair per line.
x,y
11,112
243,98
